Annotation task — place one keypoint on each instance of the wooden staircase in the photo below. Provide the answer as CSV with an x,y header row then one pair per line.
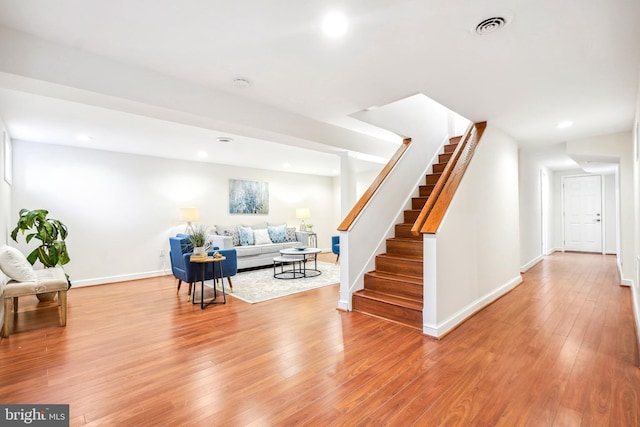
x,y
394,290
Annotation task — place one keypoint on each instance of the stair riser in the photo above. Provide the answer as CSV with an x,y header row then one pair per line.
x,y
432,178
404,231
426,190
393,287
412,249
418,202
439,167
444,158
450,148
411,216
407,267
399,314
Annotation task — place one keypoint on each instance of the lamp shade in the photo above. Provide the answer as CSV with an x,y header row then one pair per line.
x,y
189,214
302,213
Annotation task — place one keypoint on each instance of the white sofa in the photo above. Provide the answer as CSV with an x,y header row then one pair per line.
x,y
254,255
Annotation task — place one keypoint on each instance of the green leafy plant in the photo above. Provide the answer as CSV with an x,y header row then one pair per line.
x,y
51,232
198,236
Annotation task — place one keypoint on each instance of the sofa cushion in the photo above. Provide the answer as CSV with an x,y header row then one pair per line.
x,y
246,235
46,280
278,233
15,265
244,251
261,236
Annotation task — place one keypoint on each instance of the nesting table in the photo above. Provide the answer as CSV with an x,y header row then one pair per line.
x,y
298,258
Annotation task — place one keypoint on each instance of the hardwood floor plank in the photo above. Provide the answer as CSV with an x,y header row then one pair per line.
x,y
557,350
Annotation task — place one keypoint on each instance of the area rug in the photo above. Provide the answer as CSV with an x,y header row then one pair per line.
x,y
255,286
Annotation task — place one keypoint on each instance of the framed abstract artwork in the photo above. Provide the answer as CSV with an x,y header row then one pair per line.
x,y
248,197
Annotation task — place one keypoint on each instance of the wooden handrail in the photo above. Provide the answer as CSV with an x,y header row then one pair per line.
x,y
443,200
348,221
426,209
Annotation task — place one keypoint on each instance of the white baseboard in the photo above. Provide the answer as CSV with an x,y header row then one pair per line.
x,y
531,263
343,305
626,282
113,279
442,328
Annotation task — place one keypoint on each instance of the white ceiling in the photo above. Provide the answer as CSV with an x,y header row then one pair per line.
x,y
157,78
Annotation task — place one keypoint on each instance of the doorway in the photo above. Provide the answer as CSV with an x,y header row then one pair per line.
x,y
582,209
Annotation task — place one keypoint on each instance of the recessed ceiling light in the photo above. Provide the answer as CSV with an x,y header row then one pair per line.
x,y
564,124
241,83
203,154
83,138
224,139
334,24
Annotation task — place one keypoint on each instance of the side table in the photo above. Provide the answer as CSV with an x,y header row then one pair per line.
x,y
204,260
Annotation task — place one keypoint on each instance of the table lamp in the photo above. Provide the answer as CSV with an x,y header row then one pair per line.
x,y
302,214
189,215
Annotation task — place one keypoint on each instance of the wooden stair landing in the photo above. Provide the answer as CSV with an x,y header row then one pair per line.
x,y
394,290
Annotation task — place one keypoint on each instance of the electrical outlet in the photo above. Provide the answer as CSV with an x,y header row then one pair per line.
x,y
161,253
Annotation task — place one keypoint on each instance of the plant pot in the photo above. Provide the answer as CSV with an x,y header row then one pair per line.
x,y
47,296
198,250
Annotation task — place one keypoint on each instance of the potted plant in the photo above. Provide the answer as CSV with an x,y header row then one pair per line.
x,y
198,237
51,232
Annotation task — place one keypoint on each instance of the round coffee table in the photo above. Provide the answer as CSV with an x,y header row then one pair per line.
x,y
306,255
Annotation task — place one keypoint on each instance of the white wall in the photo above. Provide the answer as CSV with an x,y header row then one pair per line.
x,y
609,213
5,190
5,201
474,257
635,289
618,148
530,209
122,208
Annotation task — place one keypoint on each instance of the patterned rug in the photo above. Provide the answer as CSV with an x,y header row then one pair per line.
x,y
259,285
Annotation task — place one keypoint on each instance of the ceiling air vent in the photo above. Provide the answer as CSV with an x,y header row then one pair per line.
x,y
490,25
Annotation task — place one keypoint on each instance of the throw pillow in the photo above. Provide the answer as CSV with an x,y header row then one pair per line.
x,y
278,234
262,236
234,234
186,246
291,234
246,236
15,265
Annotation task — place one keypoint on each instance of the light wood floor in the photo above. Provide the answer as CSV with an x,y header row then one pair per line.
x,y
558,350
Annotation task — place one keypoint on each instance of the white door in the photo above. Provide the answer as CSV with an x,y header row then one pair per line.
x,y
583,213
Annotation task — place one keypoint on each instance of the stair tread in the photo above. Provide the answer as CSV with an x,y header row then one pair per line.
x,y
408,303
394,276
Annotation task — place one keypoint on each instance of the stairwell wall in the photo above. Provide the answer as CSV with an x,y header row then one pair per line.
x,y
474,257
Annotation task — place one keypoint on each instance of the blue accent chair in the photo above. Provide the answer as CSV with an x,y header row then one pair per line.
x,y
335,246
180,252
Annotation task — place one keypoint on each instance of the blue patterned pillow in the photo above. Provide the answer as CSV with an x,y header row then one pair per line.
x,y
278,234
246,235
